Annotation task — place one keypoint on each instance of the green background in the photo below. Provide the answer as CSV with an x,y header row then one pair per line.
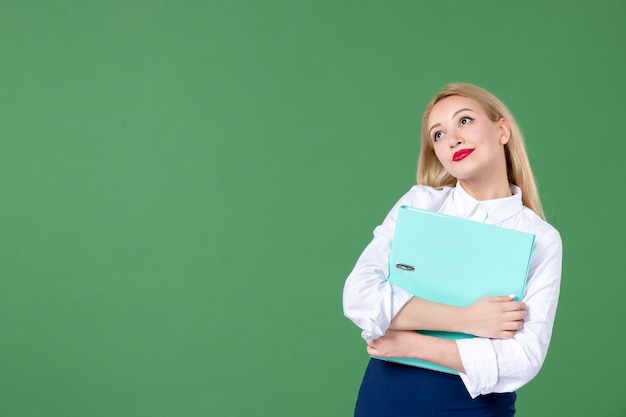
x,y
185,186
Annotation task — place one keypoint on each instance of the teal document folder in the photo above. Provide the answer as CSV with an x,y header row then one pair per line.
x,y
455,261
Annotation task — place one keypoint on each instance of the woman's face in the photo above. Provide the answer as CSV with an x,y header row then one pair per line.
x,y
467,143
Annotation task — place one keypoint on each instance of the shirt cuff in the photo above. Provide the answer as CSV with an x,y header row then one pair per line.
x,y
378,327
480,364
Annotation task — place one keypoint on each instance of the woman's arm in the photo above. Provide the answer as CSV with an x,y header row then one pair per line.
x,y
493,317
410,344
497,365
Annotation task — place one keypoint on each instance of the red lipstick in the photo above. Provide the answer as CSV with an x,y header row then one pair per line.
x,y
458,155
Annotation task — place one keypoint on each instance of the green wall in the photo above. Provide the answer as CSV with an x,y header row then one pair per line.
x,y
185,186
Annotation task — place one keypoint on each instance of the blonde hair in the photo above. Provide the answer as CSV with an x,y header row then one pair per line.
x,y
430,171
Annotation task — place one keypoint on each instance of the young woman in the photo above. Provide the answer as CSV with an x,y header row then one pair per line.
x,y
473,164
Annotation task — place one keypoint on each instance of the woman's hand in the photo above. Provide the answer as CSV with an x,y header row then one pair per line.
x,y
394,344
494,317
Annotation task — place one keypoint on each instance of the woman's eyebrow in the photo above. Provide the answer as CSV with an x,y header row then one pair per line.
x,y
433,126
453,116
459,111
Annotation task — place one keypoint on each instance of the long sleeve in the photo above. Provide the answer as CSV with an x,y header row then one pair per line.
x,y
368,300
504,365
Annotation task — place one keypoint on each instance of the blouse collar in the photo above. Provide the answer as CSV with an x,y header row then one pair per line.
x,y
488,211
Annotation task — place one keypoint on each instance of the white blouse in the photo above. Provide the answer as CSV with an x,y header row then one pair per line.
x,y
491,365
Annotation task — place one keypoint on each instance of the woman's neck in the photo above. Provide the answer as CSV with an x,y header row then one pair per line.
x,y
492,191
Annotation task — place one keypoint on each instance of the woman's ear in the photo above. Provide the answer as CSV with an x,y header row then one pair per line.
x,y
505,131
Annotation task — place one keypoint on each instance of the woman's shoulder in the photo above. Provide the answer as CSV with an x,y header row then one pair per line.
x,y
543,230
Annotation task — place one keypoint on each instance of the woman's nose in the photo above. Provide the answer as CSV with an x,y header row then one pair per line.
x,y
454,140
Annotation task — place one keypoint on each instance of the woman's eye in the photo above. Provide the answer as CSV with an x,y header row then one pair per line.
x,y
437,136
466,120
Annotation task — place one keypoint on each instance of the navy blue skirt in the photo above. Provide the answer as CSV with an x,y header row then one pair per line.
x,y
394,390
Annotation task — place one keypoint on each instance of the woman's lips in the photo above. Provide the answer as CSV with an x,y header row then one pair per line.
x,y
458,155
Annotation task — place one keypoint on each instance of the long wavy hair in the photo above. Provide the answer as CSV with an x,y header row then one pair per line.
x,y
431,172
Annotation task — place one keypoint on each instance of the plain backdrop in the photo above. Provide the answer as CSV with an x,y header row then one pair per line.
x,y
185,185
